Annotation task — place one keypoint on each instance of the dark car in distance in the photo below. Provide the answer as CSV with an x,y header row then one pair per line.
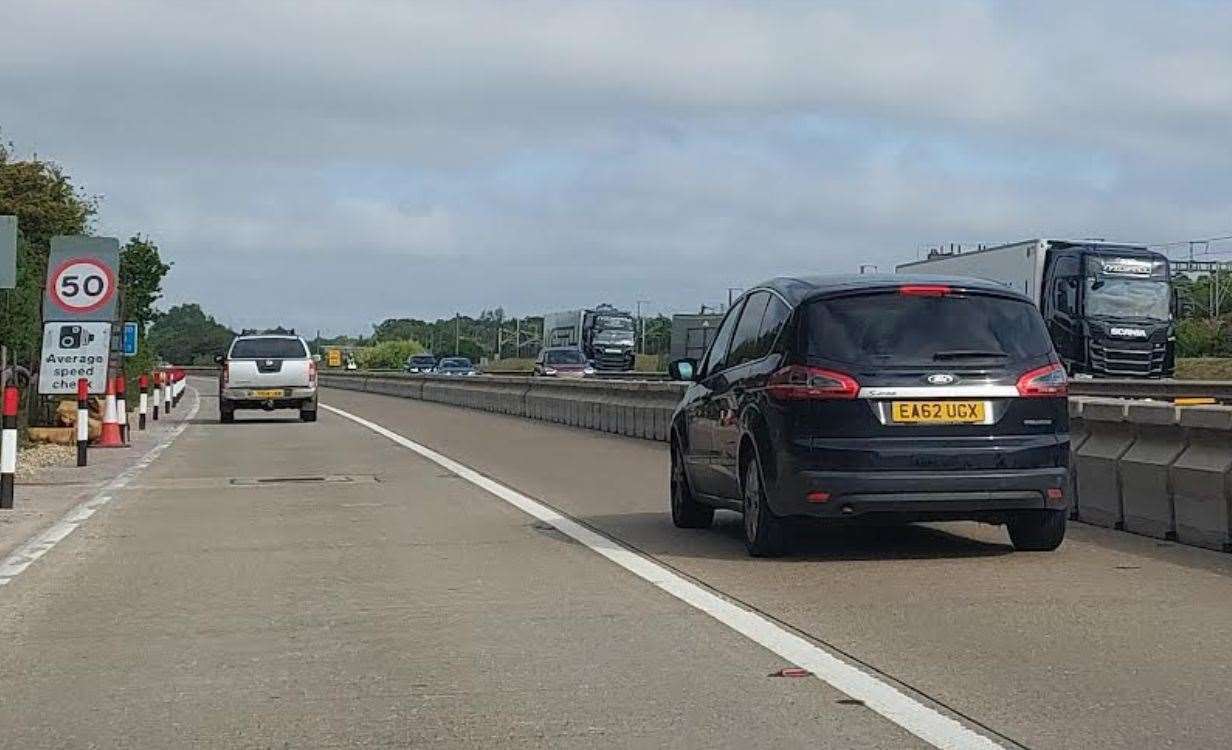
x,y
454,366
563,362
875,398
418,363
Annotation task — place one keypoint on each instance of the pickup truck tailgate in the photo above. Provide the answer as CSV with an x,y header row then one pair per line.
x,y
269,373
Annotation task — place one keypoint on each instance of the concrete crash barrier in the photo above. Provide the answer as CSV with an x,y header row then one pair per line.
x,y
1109,436
1202,477
1077,437
633,408
1146,485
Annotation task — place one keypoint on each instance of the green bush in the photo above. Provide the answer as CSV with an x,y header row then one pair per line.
x,y
1196,337
387,355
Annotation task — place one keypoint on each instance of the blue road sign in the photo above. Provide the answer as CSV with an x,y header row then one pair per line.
x,y
129,340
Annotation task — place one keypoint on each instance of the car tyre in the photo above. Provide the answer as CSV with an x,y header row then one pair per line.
x,y
1037,530
308,415
226,414
687,513
765,534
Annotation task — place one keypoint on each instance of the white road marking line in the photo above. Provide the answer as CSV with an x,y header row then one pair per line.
x,y
24,556
924,722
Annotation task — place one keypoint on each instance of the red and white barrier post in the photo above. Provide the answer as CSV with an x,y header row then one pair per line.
x,y
143,402
179,386
8,447
83,419
158,392
167,388
111,424
122,407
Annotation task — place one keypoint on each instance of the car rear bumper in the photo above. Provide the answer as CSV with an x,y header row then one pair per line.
x,y
291,398
977,495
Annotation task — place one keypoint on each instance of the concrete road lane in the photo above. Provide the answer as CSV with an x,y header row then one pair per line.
x,y
1113,641
271,583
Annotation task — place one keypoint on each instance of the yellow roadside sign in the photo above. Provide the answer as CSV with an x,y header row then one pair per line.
x,y
334,357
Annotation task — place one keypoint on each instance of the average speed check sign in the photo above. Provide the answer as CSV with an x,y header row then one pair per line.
x,y
81,285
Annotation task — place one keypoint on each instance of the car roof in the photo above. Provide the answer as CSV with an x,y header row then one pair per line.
x,y
269,336
798,289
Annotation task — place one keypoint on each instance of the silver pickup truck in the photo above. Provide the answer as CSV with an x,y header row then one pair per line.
x,y
267,372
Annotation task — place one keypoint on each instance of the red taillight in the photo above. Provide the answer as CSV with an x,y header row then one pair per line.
x,y
1046,381
312,372
924,290
817,496
801,383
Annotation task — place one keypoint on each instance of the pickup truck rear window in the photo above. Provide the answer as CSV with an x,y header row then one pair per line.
x,y
895,329
268,349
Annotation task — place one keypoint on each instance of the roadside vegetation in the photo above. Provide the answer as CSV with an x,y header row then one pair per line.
x,y
387,355
1204,368
46,202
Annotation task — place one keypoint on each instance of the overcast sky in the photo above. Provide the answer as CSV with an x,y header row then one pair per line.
x,y
328,165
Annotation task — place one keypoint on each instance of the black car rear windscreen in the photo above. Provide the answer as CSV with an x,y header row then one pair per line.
x,y
890,328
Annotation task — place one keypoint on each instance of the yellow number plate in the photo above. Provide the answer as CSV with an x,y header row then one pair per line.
x,y
937,412
269,393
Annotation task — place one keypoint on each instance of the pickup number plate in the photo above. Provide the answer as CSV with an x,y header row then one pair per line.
x,y
937,412
267,393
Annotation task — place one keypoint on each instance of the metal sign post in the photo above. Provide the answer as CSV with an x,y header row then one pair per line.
x,y
8,279
8,252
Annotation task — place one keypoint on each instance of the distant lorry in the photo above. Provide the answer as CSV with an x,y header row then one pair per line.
x,y
1109,307
604,334
692,334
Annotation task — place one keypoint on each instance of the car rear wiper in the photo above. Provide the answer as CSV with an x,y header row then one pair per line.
x,y
970,354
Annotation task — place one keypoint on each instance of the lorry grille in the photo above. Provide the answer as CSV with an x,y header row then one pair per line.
x,y
607,361
1128,358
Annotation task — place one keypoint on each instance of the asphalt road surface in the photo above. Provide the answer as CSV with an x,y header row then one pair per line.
x,y
271,583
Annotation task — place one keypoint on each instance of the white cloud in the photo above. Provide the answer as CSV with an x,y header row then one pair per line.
x,y
415,158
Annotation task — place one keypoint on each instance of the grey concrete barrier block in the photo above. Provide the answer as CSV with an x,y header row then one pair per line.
x,y
1077,437
1099,482
1202,477
1146,485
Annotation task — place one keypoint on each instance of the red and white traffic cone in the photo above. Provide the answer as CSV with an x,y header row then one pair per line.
x,y
111,424
122,407
8,447
143,402
158,393
83,419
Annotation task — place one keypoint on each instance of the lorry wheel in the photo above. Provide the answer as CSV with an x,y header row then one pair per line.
x,y
226,414
308,415
687,513
1037,530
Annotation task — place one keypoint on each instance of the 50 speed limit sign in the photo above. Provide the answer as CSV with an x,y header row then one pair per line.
x,y
81,285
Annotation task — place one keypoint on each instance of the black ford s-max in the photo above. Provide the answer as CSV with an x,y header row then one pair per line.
x,y
871,398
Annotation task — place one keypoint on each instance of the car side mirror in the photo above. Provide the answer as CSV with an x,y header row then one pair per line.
x,y
219,359
683,369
